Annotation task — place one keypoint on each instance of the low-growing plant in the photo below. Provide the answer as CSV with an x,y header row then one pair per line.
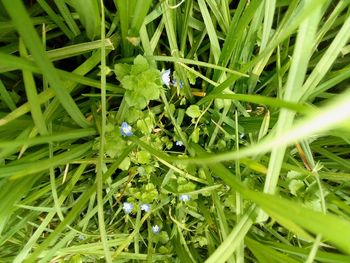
x,y
174,131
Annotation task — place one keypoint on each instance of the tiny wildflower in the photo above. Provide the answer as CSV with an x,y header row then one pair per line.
x,y
184,198
145,207
125,129
179,143
166,77
127,207
81,237
181,84
155,229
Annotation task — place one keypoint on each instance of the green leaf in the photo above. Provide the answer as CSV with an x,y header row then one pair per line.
x,y
121,70
151,91
134,99
195,135
193,111
142,81
143,157
129,82
125,164
140,65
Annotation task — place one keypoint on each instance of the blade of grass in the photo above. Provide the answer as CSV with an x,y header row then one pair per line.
x,y
28,168
6,97
14,62
32,96
289,213
269,7
168,15
8,62
23,24
321,256
60,136
266,254
140,12
220,17
11,192
79,205
258,99
327,60
34,237
66,14
329,117
301,55
46,95
123,8
44,5
231,243
89,16
214,42
101,164
198,63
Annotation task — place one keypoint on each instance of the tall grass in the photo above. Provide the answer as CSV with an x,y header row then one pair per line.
x,y
242,158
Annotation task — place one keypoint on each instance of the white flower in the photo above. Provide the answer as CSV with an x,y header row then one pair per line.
x,y
127,207
184,198
155,229
166,77
145,207
125,129
179,143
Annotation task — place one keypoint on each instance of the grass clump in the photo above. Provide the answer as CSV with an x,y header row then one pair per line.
x,y
174,131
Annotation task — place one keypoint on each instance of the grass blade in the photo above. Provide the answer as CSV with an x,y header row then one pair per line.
x,y
89,16
6,97
32,97
23,24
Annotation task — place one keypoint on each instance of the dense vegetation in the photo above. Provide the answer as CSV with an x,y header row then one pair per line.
x,y
174,131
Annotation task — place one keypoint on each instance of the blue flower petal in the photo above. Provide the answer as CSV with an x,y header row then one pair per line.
x,y
145,207
126,129
184,198
155,229
166,77
127,207
181,84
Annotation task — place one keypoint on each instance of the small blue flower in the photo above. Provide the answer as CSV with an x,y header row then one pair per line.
x,y
184,198
125,129
81,237
145,207
127,207
181,84
179,143
155,229
166,77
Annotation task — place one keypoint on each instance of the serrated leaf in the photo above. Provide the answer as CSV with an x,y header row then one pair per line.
x,y
140,65
151,91
133,99
129,82
122,70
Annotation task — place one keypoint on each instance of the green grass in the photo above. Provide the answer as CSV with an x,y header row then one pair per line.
x,y
244,157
